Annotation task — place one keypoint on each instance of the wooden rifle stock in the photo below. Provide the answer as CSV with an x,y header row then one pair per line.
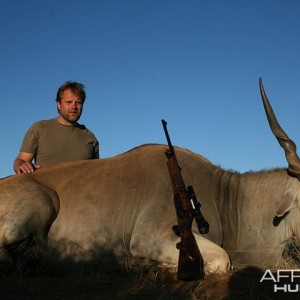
x,y
190,262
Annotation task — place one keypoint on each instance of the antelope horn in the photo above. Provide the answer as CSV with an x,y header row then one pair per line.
x,y
285,142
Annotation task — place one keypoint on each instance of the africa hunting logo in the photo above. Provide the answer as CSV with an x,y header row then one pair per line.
x,y
284,281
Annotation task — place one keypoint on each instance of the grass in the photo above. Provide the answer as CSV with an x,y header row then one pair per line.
x,y
291,255
136,279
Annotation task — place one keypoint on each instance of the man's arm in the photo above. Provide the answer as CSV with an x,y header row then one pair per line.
x,y
23,163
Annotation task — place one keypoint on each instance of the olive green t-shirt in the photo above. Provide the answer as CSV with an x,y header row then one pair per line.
x,y
51,142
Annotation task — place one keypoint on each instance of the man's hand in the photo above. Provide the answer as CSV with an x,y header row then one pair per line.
x,y
23,163
27,167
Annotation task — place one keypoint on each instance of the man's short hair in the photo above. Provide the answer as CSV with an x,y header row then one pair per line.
x,y
76,88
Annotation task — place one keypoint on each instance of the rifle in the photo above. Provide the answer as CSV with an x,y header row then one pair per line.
x,y
190,263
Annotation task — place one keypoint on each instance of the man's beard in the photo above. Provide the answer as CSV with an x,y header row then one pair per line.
x,y
73,118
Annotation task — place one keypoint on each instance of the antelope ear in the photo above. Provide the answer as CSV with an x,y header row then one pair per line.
x,y
290,195
287,204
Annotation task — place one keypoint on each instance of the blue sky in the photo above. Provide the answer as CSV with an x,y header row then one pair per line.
x,y
194,63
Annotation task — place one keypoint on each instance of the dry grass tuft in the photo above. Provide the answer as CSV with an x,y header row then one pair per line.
x,y
291,255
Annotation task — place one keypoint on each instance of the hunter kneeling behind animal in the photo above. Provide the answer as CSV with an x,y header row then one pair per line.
x,y
60,139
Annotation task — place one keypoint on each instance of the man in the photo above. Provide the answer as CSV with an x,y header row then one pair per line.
x,y
60,139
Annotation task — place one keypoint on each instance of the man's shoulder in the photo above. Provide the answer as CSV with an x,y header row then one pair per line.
x,y
86,130
81,126
42,124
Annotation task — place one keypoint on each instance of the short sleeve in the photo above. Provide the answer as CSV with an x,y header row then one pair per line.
x,y
30,141
96,149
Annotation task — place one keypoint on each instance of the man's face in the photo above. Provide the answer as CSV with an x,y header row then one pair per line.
x,y
70,108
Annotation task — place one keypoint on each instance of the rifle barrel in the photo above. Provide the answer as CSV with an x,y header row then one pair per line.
x,y
164,123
